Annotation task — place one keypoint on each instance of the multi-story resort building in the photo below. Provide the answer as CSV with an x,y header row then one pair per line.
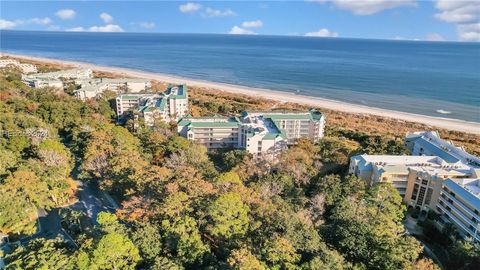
x,y
170,106
439,176
430,144
54,79
26,68
92,88
459,204
296,124
258,133
389,168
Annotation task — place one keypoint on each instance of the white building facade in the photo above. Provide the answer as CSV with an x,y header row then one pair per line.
x,y
26,68
170,106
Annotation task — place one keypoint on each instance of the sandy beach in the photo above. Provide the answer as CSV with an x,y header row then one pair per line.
x,y
450,124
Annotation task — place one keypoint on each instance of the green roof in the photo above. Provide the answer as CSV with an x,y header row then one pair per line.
x,y
229,122
182,92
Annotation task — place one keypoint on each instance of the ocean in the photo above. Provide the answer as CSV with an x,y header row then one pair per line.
x,y
430,78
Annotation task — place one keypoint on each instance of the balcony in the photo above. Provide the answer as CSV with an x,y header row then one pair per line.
x,y
458,223
461,204
459,213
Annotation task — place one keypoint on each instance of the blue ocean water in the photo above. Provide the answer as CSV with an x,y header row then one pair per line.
x,y
431,78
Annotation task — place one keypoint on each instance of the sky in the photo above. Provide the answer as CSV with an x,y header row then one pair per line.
x,y
435,20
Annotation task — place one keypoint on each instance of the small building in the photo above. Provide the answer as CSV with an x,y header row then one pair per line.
x,y
26,68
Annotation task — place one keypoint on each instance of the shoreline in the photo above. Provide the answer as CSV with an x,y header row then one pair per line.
x,y
446,123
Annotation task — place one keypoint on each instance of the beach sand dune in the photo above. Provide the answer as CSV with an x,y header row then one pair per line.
x,y
446,123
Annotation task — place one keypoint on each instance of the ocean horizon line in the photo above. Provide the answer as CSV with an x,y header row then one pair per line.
x,y
248,35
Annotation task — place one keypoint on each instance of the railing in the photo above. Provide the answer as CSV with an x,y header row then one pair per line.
x,y
458,222
462,205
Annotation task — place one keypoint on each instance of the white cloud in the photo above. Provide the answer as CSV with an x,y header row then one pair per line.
x,y
107,18
147,25
324,32
5,24
469,32
465,14
66,14
210,12
189,7
106,28
367,7
252,24
434,37
76,29
241,31
458,11
41,21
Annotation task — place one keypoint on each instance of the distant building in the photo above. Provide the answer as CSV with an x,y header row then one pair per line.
x,y
54,79
170,106
439,176
258,133
26,68
92,88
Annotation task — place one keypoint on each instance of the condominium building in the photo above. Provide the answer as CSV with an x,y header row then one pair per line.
x,y
211,132
389,168
430,144
26,68
459,204
54,79
177,101
256,134
170,106
424,184
93,87
297,125
439,176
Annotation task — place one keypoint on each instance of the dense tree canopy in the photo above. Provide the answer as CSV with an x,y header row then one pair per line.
x,y
183,207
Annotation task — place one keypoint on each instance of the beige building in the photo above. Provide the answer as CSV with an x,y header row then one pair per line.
x,y
439,176
389,168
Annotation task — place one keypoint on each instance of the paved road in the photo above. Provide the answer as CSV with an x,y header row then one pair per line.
x,y
92,201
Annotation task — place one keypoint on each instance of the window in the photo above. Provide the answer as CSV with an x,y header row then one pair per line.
x,y
415,191
429,196
424,182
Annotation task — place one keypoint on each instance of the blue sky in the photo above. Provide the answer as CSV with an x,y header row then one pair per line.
x,y
385,19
